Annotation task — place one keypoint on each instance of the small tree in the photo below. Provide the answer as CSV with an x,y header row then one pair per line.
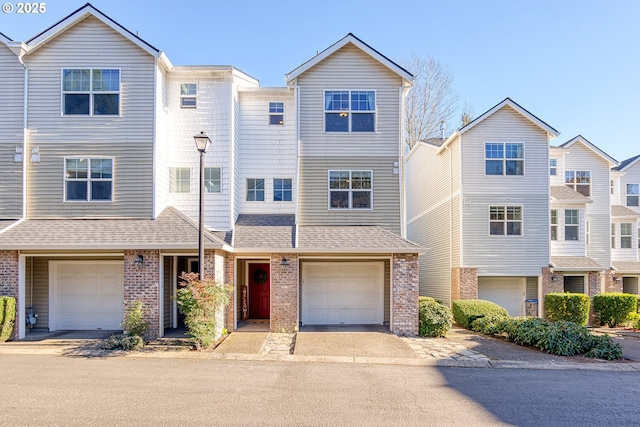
x,y
134,323
202,302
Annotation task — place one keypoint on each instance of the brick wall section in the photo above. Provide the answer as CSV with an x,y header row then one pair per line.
x,y
9,268
595,288
230,264
405,289
464,283
210,263
610,285
144,285
549,286
284,293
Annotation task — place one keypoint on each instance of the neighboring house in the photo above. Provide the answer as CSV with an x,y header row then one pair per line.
x,y
580,217
303,183
625,225
479,201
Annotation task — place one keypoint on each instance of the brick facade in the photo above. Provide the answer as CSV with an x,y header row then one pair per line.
x,y
284,293
405,288
144,285
9,269
464,283
610,283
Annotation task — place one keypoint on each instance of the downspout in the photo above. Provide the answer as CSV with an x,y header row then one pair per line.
x,y
154,135
296,89
451,218
24,137
402,92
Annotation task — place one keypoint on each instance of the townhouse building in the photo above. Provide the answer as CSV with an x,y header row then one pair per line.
x,y
303,183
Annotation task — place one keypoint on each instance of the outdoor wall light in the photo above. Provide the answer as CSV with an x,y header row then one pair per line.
x,y
139,262
284,261
555,278
616,279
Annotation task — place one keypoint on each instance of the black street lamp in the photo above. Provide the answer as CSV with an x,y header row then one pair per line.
x,y
202,144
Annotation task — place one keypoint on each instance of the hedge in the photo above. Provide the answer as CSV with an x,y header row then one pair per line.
x,y
572,307
613,308
434,318
466,311
7,317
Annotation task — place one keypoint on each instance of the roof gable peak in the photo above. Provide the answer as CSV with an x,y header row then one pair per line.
x,y
584,141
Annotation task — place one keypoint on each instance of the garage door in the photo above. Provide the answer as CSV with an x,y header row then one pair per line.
x,y
508,292
87,295
343,293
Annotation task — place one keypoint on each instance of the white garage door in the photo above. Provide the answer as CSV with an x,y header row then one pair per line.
x,y
508,292
343,293
86,295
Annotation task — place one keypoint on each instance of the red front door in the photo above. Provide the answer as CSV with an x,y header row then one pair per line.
x,y
259,289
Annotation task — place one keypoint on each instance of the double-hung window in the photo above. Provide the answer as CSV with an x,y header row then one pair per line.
x,y
504,158
179,180
188,95
90,92
276,113
553,167
282,190
613,235
571,224
255,190
212,180
554,224
579,181
349,111
633,194
88,179
505,220
626,235
350,189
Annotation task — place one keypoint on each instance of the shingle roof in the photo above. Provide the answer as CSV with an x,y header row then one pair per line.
x,y
4,223
575,263
265,232
353,238
627,266
623,211
170,230
626,163
566,194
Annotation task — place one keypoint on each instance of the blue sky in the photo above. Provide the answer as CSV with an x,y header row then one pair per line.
x,y
574,64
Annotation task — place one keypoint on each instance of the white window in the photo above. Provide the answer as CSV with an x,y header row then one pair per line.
x,y
349,111
588,232
579,181
554,224
505,220
90,92
212,180
633,194
180,180
282,190
613,236
88,179
255,190
350,189
188,95
553,167
276,113
571,224
504,158
626,235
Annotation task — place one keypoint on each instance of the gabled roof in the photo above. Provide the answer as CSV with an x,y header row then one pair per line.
x,y
627,163
4,39
626,267
618,211
350,38
507,102
591,146
81,14
575,263
564,194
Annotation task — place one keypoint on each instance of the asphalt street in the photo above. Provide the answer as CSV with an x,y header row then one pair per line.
x,y
44,390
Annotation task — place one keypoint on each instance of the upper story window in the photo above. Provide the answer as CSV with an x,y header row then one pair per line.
x,y
90,92
554,224
553,167
255,190
282,190
88,179
188,95
350,189
505,220
613,236
504,158
580,181
179,180
349,111
632,194
626,235
212,183
276,113
571,224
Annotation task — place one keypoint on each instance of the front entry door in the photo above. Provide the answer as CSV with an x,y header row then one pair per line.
x,y
259,290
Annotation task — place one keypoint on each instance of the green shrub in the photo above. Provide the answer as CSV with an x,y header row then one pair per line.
x,y
572,307
613,308
638,307
491,324
434,318
7,317
603,347
466,311
526,330
565,338
134,323
123,342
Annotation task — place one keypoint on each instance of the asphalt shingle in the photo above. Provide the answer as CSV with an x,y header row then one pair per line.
x,y
562,192
623,211
265,232
574,262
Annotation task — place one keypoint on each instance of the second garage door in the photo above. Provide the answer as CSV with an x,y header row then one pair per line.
x,y
508,292
335,293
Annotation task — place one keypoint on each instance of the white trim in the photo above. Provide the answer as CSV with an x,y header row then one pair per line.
x,y
161,296
504,159
21,318
91,92
349,190
506,221
349,112
246,280
88,180
590,146
174,291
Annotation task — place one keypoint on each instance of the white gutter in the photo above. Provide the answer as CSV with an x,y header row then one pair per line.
x,y
154,136
402,92
25,138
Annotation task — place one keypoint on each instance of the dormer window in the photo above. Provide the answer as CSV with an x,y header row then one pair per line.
x,y
188,95
349,111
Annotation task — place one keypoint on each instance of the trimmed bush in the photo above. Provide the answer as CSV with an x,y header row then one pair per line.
x,y
492,324
7,317
603,347
565,338
526,330
571,307
466,311
434,318
613,308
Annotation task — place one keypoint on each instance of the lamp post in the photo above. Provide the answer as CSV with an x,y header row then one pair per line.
x,y
202,144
